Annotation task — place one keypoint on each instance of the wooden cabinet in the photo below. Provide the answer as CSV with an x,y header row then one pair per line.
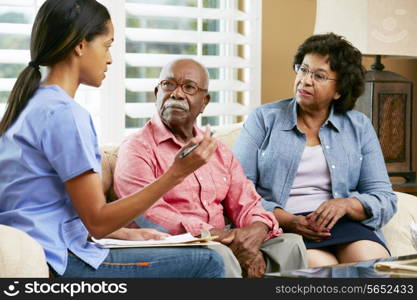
x,y
408,187
387,101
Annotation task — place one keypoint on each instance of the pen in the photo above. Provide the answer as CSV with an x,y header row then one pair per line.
x,y
190,149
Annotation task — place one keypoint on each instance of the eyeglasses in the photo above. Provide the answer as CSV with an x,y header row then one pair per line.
x,y
319,77
189,88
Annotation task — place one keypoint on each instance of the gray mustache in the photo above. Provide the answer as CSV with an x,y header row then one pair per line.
x,y
176,103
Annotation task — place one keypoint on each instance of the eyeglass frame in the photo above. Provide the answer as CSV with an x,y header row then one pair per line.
x,y
177,84
298,66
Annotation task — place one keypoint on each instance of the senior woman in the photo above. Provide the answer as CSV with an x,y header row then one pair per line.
x,y
316,162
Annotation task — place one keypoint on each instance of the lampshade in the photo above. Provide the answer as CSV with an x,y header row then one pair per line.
x,y
375,27
381,28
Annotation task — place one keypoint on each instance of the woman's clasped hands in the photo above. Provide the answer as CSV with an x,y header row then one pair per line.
x,y
316,225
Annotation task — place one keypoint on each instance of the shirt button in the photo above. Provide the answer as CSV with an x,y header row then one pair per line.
x,y
336,194
224,178
263,153
327,147
333,166
201,178
360,158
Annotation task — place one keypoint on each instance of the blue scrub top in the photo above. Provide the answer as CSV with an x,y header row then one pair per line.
x,y
52,141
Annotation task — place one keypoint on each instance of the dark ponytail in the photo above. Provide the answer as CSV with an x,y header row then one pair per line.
x,y
59,27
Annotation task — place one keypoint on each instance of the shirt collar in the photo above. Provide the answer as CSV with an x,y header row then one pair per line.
x,y
162,133
334,120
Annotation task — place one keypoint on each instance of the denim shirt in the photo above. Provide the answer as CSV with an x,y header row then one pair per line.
x,y
270,147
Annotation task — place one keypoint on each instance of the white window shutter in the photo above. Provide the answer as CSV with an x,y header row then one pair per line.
x,y
16,17
148,34
234,56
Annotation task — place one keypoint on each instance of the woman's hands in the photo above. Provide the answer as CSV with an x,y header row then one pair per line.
x,y
300,225
328,213
316,226
182,167
307,228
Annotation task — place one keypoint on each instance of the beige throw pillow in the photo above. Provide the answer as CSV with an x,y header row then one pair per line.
x,y
397,232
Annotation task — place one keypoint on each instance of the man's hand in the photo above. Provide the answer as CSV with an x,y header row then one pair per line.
x,y
204,145
256,267
223,236
246,245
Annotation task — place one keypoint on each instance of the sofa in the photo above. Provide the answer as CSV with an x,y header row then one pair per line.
x,y
22,256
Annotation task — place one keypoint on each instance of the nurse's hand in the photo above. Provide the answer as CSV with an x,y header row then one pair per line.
x,y
203,148
137,234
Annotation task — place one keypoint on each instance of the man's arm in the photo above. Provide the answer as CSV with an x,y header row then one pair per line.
x,y
255,224
243,205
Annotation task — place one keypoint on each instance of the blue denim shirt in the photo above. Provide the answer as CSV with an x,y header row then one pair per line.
x,y
270,147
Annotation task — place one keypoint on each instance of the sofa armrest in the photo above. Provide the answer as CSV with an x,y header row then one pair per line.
x,y
20,255
397,232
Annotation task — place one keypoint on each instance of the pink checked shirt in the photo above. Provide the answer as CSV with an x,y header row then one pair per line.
x,y
200,202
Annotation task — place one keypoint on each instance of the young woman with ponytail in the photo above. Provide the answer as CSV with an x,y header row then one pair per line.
x,y
50,185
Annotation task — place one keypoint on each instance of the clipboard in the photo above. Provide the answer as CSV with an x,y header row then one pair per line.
x,y
182,240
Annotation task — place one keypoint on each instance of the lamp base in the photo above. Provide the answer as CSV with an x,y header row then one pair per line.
x,y
387,101
377,65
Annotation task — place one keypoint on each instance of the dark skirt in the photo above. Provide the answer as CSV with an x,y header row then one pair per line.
x,y
345,231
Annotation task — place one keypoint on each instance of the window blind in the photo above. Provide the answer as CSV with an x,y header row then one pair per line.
x,y
224,35
16,20
16,17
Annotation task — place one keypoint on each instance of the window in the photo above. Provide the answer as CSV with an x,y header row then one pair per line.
x,y
224,35
16,18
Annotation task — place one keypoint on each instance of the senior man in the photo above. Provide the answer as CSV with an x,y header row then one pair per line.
x,y
255,244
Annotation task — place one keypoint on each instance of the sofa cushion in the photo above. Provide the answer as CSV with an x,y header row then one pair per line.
x,y
20,255
227,134
397,232
108,163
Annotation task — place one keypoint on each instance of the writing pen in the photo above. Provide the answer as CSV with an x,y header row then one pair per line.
x,y
190,149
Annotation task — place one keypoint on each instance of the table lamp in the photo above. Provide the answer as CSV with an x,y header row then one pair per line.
x,y
380,28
